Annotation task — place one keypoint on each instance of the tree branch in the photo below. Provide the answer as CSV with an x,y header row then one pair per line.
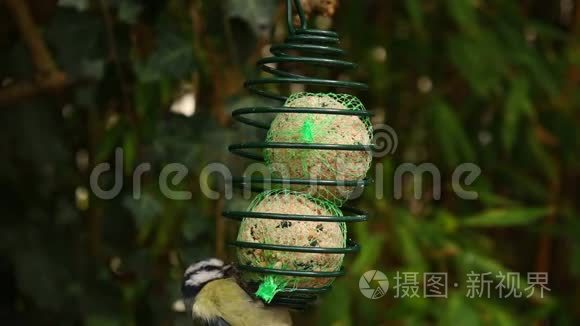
x,y
32,37
25,89
50,78
114,54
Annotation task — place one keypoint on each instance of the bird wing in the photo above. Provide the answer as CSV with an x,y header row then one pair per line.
x,y
226,299
218,322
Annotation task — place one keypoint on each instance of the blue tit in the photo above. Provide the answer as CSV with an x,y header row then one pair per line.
x,y
212,294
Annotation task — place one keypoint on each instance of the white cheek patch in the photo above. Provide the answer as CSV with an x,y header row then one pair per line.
x,y
210,262
203,277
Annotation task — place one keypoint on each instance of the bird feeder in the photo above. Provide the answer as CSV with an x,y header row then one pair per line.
x,y
292,239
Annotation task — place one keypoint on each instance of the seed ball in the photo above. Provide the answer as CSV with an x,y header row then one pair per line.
x,y
292,233
318,164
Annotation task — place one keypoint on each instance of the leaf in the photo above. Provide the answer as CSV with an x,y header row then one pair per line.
x,y
80,5
372,244
144,209
517,107
130,149
110,141
93,69
194,225
481,59
460,312
505,217
129,11
451,137
410,251
548,31
500,316
524,185
147,100
562,125
489,198
540,157
258,14
541,71
446,221
415,12
86,32
335,308
464,14
172,58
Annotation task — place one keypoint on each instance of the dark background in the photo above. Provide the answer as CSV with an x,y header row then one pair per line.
x,y
490,82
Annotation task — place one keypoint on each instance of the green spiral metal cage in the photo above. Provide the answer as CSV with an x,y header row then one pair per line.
x,y
318,48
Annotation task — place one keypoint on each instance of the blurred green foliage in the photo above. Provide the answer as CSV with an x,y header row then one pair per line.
x,y
489,82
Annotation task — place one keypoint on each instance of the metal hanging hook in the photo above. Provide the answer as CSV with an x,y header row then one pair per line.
x,y
300,10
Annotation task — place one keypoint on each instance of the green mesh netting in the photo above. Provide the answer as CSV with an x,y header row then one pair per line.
x,y
269,287
323,129
291,233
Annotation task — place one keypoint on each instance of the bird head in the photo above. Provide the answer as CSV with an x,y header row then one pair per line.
x,y
197,275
